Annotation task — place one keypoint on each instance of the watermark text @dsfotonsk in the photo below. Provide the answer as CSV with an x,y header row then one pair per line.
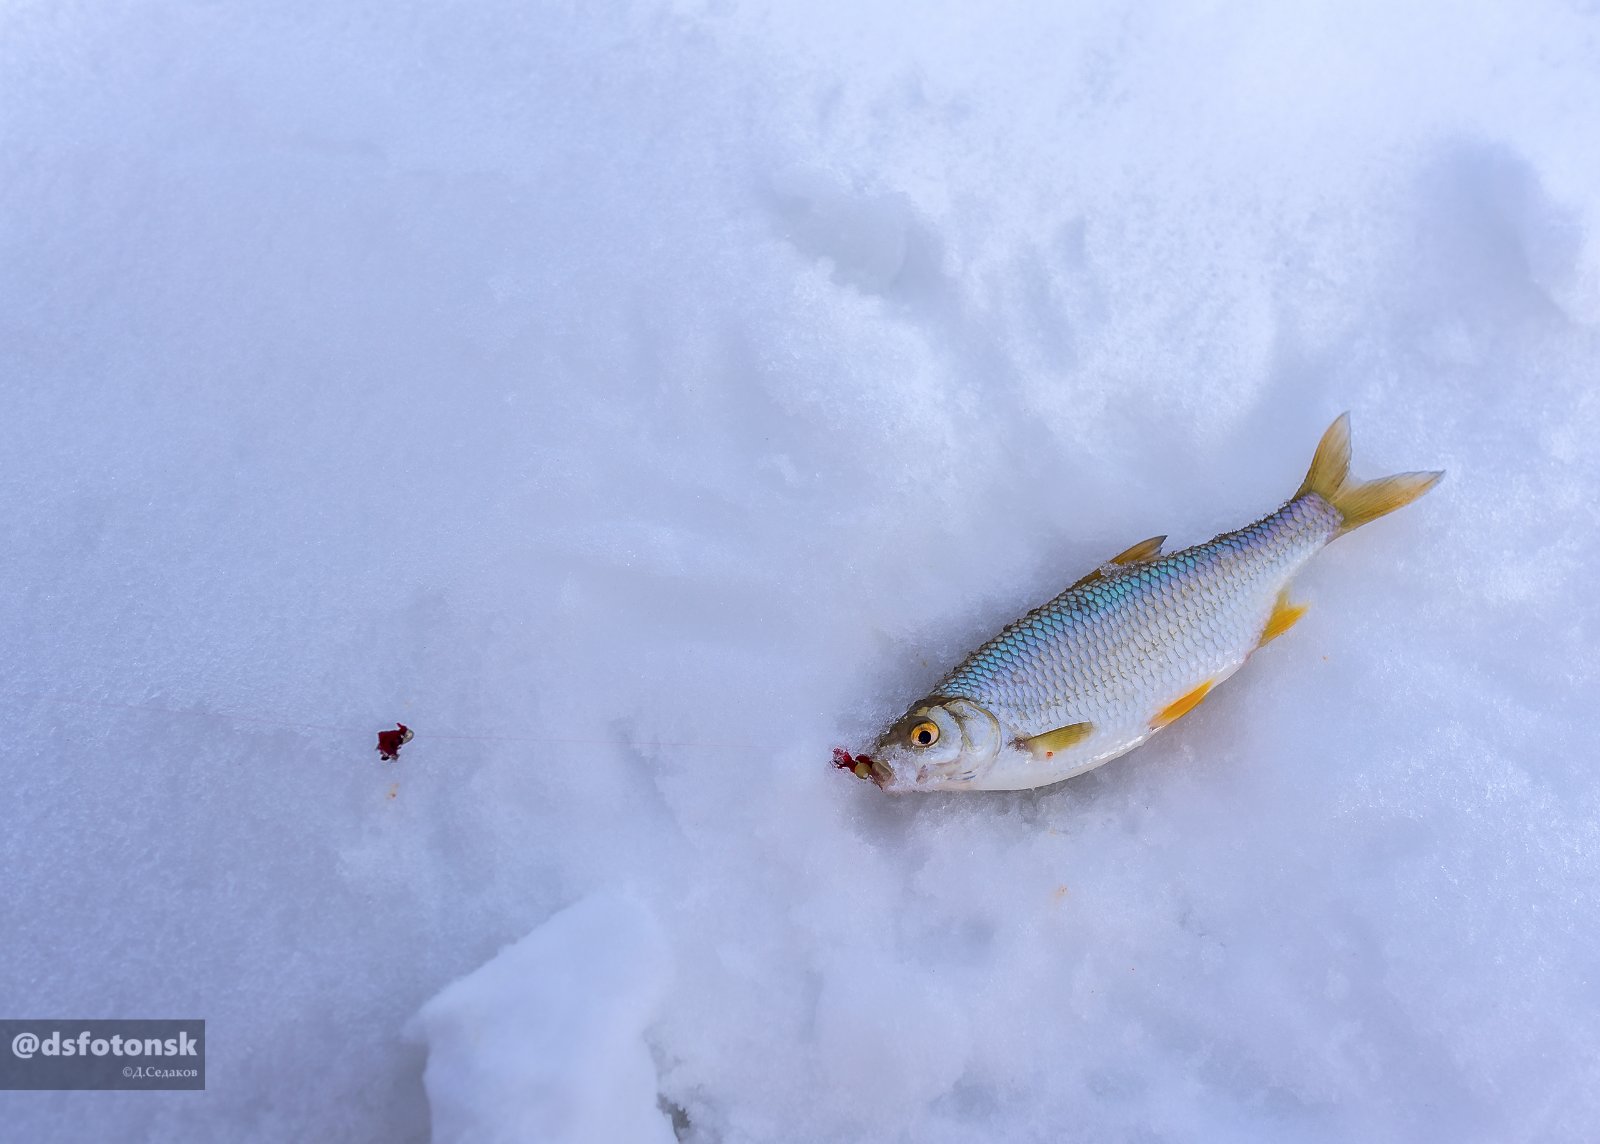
x,y
152,1054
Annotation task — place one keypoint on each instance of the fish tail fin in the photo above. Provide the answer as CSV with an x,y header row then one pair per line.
x,y
1358,502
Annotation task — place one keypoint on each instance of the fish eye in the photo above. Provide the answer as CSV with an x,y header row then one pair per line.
x,y
925,734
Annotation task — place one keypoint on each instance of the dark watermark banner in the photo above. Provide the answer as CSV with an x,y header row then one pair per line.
x,y
102,1054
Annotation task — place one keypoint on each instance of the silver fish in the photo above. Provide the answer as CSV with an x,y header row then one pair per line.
x,y
1128,649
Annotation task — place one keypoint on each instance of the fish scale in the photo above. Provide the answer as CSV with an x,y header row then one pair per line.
x,y
1109,661
1115,651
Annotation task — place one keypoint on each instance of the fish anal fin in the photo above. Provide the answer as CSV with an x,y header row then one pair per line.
x,y
1141,553
1284,616
1045,745
1180,706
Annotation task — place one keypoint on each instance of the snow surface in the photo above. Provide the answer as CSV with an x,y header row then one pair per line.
x,y
640,400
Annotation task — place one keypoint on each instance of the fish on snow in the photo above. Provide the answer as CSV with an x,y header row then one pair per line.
x,y
1128,649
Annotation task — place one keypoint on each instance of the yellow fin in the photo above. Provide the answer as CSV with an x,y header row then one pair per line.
x,y
1047,744
1141,553
1358,502
1180,707
1284,616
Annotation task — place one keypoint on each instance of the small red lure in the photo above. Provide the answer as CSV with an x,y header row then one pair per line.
x,y
858,765
390,742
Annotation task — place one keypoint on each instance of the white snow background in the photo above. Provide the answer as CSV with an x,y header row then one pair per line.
x,y
640,400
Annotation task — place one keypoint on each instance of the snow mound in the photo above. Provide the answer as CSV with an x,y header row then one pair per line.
x,y
545,1041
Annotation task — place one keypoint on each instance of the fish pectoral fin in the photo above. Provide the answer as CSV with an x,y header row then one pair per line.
x,y
1045,745
1141,553
1180,706
1284,616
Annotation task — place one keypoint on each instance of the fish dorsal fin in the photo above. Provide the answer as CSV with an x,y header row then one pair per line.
x,y
1141,553
1047,744
1284,616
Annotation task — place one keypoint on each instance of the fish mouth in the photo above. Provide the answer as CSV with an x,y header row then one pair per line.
x,y
863,767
